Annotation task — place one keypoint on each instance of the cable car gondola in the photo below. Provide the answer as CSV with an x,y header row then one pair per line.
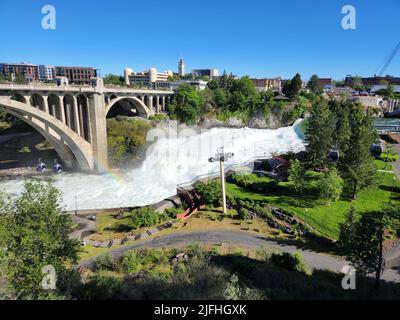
x,y
57,168
376,149
41,166
333,155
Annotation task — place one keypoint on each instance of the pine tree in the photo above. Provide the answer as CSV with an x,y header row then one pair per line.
x,y
342,130
314,85
357,167
318,133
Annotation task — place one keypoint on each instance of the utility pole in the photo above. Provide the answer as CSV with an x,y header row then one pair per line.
x,y
222,157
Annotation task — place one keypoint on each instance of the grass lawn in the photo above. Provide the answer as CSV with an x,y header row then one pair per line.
x,y
325,218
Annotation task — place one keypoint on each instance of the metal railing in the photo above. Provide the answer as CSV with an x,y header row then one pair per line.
x,y
216,174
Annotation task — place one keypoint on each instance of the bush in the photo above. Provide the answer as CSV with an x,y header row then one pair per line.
x,y
330,186
145,217
289,261
297,174
388,157
210,192
173,212
104,262
243,213
262,212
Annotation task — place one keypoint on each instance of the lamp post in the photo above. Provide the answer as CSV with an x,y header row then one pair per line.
x,y
222,157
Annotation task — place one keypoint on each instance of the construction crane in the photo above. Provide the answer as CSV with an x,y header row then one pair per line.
x,y
389,60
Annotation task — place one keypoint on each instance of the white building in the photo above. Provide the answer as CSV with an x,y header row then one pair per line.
x,y
197,84
46,72
146,78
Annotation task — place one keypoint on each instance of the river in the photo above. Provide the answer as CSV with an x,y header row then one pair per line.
x,y
169,161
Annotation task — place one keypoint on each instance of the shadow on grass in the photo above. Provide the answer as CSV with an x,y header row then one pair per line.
x,y
279,283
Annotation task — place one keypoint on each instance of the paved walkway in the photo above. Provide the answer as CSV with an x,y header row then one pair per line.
x,y
396,164
250,240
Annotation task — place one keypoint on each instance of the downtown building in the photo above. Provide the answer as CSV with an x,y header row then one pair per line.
x,y
77,75
210,73
12,70
265,84
147,79
39,72
372,81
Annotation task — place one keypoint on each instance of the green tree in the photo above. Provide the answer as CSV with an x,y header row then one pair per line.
x,y
186,105
292,88
35,234
210,192
341,122
390,92
113,79
20,79
330,185
314,84
297,174
362,241
318,134
356,166
346,228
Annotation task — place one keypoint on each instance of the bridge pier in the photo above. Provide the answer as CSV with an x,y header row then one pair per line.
x,y
98,129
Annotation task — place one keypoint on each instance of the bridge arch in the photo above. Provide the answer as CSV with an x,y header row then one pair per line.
x,y
83,115
54,103
18,97
73,150
129,106
37,101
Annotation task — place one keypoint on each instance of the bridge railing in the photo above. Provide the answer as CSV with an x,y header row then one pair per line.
x,y
215,174
76,87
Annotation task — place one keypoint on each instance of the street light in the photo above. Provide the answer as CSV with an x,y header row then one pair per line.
x,y
222,157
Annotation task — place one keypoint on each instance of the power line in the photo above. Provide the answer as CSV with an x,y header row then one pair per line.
x,y
389,60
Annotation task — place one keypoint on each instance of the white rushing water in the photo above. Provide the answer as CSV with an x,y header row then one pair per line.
x,y
169,161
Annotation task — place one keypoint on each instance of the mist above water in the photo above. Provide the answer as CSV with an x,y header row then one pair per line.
x,y
171,160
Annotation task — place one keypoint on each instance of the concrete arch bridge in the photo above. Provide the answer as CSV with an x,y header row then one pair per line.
x,y
73,118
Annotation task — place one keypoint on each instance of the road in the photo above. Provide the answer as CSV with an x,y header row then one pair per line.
x,y
245,239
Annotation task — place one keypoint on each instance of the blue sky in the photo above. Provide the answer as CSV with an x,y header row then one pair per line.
x,y
260,38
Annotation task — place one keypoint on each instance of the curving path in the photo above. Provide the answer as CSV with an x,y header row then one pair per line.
x,y
250,240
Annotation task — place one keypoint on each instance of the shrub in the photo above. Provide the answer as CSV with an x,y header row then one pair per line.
x,y
388,157
145,217
265,253
263,212
243,213
297,174
210,192
173,212
330,186
104,262
289,261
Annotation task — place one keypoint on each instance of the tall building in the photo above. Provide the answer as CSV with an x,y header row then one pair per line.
x,y
46,73
210,73
28,70
79,75
146,78
181,67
